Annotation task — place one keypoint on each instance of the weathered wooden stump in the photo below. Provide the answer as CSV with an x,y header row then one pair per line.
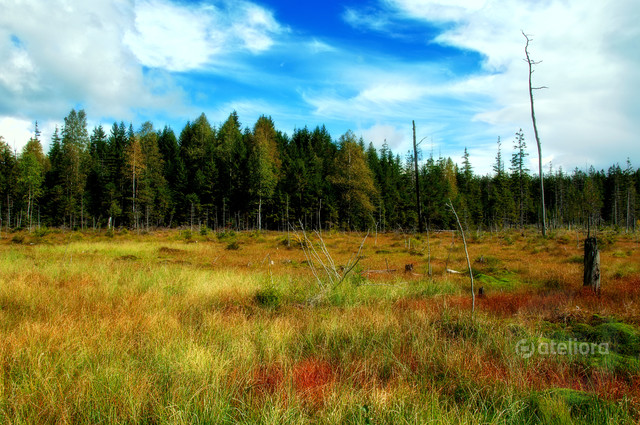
x,y
591,264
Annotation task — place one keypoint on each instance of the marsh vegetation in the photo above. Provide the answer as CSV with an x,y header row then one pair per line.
x,y
176,327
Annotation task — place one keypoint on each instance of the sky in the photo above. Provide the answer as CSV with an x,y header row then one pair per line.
x,y
371,66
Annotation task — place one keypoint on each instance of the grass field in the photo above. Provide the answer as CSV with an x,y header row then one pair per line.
x,y
182,328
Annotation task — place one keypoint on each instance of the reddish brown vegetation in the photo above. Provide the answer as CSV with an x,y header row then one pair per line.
x,y
267,379
312,380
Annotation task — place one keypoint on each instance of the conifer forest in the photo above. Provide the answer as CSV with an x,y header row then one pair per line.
x,y
246,177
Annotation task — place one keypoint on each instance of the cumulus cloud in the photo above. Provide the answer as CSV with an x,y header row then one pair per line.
x,y
115,58
69,55
176,37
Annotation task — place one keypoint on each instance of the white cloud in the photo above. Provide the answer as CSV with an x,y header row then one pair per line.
x,y
256,27
368,19
378,134
74,57
581,116
177,37
115,58
16,132
437,11
172,37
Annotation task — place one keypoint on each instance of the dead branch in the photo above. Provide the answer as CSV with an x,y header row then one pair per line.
x,y
321,263
464,241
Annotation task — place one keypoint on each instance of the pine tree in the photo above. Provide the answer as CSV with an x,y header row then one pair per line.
x,y
8,178
153,193
97,175
500,196
519,176
116,170
631,197
230,165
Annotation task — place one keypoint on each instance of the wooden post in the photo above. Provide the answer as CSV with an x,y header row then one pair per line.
x,y
591,264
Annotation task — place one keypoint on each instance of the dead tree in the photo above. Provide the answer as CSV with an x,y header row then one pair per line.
x,y
591,264
531,63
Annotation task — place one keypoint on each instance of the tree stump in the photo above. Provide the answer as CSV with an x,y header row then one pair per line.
x,y
591,264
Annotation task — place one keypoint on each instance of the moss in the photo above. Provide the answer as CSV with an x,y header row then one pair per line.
x,y
625,339
621,337
616,345
617,364
564,405
505,282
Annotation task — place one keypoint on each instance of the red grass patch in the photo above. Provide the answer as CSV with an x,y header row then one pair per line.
x,y
267,379
312,380
505,303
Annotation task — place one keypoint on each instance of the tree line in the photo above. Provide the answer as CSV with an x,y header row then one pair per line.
x,y
261,178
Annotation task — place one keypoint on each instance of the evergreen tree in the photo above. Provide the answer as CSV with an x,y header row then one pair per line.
x,y
231,163
8,188
519,176
354,181
116,170
244,176
500,197
97,175
153,192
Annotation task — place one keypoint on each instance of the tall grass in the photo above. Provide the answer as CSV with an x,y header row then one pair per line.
x,y
151,329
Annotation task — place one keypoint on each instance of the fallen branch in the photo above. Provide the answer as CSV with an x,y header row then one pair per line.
x,y
378,271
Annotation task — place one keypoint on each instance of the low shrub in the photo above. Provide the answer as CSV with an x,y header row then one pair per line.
x,y
233,246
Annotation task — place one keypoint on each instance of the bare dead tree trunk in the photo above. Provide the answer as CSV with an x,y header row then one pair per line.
x,y
591,264
531,63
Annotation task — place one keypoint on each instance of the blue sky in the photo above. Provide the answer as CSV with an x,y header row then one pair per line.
x,y
372,66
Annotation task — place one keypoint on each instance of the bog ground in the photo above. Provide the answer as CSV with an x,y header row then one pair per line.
x,y
189,327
